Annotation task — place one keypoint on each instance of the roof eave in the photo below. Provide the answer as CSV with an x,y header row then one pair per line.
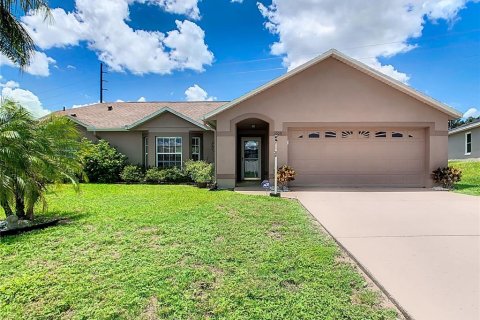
x,y
354,63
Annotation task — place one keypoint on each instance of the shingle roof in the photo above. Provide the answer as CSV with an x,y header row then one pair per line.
x,y
124,114
465,127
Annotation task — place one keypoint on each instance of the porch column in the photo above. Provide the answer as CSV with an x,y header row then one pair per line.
x,y
225,159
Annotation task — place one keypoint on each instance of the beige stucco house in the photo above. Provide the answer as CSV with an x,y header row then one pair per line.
x,y
337,121
464,142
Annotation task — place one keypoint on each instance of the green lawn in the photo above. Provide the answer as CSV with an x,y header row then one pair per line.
x,y
177,252
470,183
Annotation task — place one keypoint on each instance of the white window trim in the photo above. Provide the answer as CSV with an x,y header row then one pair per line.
x,y
145,150
466,134
157,153
199,147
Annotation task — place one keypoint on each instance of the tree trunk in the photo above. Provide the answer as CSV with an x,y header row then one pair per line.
x,y
6,208
30,213
19,206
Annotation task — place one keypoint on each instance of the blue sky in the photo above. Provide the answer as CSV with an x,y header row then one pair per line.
x,y
235,54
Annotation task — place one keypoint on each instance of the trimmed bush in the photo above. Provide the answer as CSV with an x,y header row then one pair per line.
x,y
199,171
102,162
132,174
447,176
170,175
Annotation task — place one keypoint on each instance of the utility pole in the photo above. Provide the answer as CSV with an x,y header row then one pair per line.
x,y
101,82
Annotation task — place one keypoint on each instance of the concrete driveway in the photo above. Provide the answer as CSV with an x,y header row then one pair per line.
x,y
421,246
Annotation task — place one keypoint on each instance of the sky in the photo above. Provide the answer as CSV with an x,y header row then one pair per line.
x,y
177,50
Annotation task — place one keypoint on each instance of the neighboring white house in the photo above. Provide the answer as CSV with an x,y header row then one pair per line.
x,y
464,141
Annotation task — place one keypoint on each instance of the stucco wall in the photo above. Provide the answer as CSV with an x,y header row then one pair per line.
x,y
131,142
456,145
128,143
330,93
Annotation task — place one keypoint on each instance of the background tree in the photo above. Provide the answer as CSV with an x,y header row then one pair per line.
x,y
33,155
15,42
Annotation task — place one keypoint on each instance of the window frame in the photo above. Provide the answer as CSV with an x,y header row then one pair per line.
x,y
467,144
145,151
169,153
199,139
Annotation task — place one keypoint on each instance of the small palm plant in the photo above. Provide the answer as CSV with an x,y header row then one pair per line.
x,y
33,155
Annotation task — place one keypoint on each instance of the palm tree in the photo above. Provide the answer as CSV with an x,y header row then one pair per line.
x,y
33,155
15,42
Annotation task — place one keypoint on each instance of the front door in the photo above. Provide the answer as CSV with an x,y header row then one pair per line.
x,y
251,158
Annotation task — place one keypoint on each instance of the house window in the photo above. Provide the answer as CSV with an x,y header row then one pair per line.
x,y
314,135
330,134
468,143
145,151
169,152
380,134
397,134
196,148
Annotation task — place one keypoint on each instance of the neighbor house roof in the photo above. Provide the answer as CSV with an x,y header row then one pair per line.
x,y
332,53
465,127
127,115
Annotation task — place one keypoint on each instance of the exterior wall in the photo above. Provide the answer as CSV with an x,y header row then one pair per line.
x,y
131,142
330,93
456,145
128,143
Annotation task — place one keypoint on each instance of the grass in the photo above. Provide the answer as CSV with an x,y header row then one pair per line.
x,y
470,183
177,252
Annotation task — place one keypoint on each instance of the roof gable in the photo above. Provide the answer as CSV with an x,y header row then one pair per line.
x,y
353,63
121,116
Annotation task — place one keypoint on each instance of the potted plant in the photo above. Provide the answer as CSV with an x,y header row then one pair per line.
x,y
285,174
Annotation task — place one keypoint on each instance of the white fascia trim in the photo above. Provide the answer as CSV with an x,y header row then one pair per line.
x,y
354,63
464,128
159,112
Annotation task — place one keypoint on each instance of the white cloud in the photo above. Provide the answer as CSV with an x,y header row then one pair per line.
x,y
10,84
71,67
39,64
185,7
237,1
196,93
102,25
141,99
472,112
26,98
83,105
365,30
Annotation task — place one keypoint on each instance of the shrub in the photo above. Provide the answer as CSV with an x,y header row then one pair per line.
x,y
447,176
175,175
103,163
285,174
171,175
155,175
199,171
132,174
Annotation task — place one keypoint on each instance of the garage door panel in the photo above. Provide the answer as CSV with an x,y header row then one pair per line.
x,y
361,159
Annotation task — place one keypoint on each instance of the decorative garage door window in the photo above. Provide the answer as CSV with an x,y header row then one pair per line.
x,y
330,134
356,134
169,152
364,134
314,135
396,134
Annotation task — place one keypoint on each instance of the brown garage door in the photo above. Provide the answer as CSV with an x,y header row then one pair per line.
x,y
358,156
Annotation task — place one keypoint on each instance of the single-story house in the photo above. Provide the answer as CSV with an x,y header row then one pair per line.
x,y
464,141
337,121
